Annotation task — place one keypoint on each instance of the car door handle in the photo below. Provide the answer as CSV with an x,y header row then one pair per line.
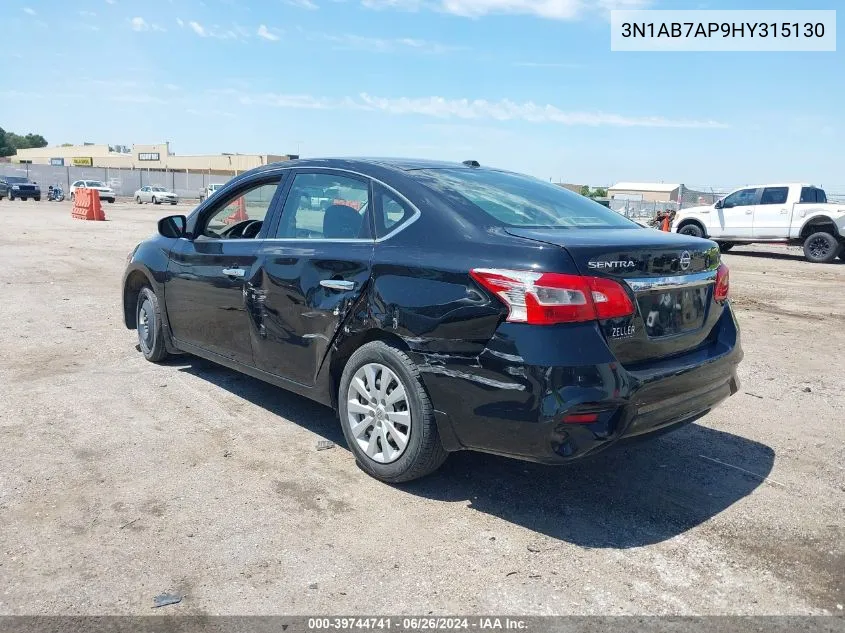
x,y
234,272
749,211
337,284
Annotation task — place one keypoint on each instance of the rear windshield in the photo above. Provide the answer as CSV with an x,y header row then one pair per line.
x,y
520,201
16,179
95,183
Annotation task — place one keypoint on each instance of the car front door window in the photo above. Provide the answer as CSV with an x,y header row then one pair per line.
x,y
740,198
241,215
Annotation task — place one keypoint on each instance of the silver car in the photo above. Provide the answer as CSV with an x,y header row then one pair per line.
x,y
156,195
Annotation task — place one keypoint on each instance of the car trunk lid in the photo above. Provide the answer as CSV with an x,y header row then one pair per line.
x,y
670,277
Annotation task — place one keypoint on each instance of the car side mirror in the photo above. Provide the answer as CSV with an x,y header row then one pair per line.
x,y
173,226
719,204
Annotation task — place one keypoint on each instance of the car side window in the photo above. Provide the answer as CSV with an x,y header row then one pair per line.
x,y
774,195
812,195
740,198
326,207
239,215
390,211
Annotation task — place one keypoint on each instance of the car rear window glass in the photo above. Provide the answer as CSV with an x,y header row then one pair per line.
x,y
521,201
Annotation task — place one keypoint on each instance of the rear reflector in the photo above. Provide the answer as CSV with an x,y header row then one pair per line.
x,y
581,418
548,298
723,283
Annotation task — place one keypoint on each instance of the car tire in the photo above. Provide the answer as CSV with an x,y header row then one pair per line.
x,y
154,200
72,196
138,199
11,197
821,248
691,229
110,200
842,254
173,204
726,246
422,452
38,198
148,323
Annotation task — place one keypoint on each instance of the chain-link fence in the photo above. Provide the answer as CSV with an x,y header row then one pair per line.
x,y
125,182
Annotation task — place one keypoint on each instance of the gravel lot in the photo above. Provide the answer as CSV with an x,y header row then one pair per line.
x,y
120,479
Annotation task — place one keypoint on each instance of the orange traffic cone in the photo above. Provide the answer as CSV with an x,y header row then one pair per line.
x,y
239,214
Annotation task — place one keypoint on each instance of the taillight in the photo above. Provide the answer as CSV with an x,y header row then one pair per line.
x,y
723,283
547,298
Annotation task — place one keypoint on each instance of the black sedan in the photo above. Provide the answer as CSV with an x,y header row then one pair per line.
x,y
440,307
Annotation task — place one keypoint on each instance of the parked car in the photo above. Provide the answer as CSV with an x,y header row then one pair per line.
x,y
209,190
156,195
19,187
796,214
440,307
106,192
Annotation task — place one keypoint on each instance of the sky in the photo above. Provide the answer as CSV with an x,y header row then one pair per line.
x,y
527,85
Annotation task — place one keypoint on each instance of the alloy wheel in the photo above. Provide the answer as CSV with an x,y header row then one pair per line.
x,y
378,413
819,247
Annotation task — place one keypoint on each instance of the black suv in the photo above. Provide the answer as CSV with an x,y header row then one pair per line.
x,y
440,307
19,187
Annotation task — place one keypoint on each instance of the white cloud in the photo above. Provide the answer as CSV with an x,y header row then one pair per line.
x,y
378,45
265,33
216,31
550,9
466,109
198,28
139,24
303,4
136,98
29,11
110,1
180,22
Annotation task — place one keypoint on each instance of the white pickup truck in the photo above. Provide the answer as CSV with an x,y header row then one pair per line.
x,y
797,214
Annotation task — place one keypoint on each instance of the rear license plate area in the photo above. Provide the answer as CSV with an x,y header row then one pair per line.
x,y
671,312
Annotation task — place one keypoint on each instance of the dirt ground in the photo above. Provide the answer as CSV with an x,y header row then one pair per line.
x,y
121,479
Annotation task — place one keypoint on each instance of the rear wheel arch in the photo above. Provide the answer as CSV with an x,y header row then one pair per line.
x,y
819,224
349,346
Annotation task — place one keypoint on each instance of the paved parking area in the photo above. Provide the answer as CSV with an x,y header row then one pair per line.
x,y
120,479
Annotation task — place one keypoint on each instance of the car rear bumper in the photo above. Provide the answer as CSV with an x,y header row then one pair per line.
x,y
497,403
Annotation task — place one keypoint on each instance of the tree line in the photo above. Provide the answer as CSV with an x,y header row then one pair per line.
x,y
11,142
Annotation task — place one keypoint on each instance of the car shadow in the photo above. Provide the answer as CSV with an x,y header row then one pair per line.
x,y
638,494
786,256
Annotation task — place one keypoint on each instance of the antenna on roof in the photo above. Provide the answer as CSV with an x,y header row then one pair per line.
x,y
472,163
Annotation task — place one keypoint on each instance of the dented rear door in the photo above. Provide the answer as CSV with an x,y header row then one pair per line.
x,y
313,273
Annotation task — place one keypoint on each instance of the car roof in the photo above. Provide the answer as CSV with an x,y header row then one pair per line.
x,y
398,164
779,184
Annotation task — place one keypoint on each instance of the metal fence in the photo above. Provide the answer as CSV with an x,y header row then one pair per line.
x,y
125,182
